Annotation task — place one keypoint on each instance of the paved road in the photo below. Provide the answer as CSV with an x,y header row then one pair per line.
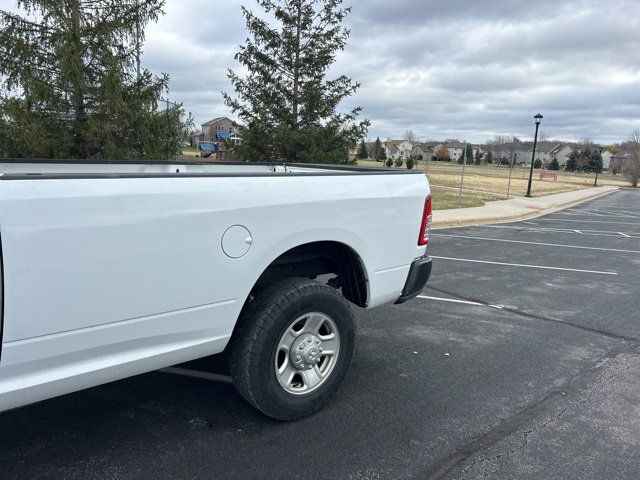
x,y
523,361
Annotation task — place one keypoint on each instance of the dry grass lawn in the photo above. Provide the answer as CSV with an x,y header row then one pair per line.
x,y
484,183
446,198
498,185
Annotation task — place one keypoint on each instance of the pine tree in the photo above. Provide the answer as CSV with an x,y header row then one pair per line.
x,y
572,162
584,159
286,104
363,154
383,154
71,85
466,156
478,157
377,150
595,161
554,165
469,155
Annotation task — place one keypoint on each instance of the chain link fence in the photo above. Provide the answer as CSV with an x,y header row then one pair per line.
x,y
499,182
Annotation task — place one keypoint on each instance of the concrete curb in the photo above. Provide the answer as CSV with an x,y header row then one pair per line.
x,y
521,214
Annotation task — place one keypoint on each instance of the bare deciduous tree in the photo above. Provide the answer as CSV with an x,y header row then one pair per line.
x,y
512,147
498,147
631,167
409,136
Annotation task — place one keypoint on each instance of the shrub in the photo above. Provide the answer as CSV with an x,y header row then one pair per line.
x,y
399,162
410,163
389,162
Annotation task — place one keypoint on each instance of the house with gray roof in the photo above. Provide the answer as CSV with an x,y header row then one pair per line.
x,y
214,129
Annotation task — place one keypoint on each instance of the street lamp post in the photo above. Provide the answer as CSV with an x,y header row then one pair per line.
x,y
538,119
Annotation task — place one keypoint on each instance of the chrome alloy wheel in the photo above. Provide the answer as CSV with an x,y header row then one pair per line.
x,y
307,353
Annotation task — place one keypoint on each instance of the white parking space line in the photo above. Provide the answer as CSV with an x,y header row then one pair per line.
x,y
597,233
185,372
582,221
523,265
601,249
463,302
619,214
630,212
575,213
451,300
597,213
594,213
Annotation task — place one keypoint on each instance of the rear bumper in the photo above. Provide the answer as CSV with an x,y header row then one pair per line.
x,y
416,280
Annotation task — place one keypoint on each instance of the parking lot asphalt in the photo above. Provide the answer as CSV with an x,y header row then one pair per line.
x,y
520,359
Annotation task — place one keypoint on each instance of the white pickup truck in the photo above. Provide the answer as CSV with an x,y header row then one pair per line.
x,y
112,269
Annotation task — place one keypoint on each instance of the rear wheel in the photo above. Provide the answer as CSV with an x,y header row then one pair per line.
x,y
293,346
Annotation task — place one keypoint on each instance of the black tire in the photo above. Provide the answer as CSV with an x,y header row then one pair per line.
x,y
255,341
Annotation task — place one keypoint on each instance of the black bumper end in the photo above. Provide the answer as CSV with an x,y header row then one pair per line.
x,y
416,280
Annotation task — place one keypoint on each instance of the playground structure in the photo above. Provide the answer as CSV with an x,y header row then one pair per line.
x,y
206,149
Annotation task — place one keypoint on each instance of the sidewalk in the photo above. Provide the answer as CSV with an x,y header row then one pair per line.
x,y
517,208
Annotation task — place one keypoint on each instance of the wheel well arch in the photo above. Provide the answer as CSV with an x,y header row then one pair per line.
x,y
311,260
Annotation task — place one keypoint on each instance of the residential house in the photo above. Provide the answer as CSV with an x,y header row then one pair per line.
x,y
560,153
546,152
398,148
390,149
505,153
217,128
606,159
424,150
522,156
617,161
455,149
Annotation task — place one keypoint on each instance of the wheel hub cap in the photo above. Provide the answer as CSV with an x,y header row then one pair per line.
x,y
306,352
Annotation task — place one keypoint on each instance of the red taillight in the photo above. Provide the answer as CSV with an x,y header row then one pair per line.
x,y
425,227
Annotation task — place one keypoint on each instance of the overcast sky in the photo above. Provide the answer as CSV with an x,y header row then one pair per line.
x,y
467,69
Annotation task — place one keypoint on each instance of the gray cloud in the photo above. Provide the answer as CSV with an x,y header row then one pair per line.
x,y
460,68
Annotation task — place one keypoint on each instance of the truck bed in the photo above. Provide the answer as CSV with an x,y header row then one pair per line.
x,y
11,169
